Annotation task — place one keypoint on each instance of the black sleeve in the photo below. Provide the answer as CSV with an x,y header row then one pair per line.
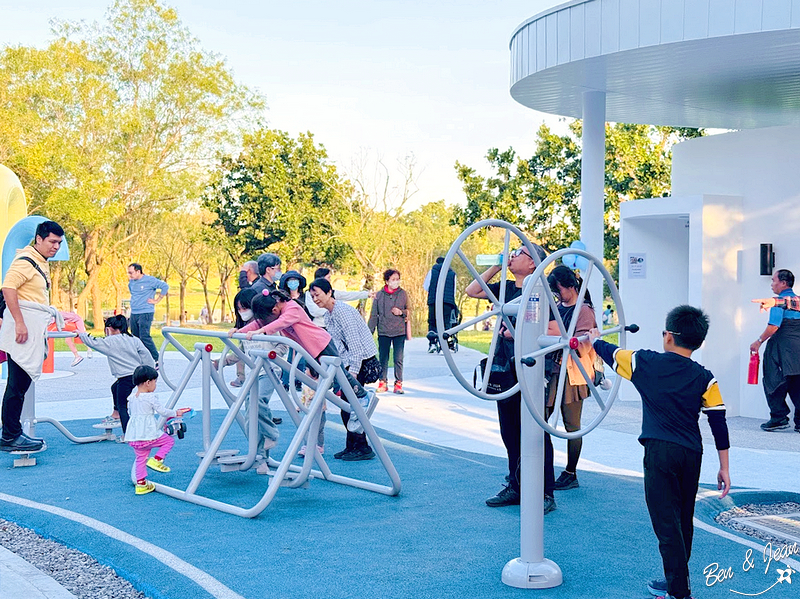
x,y
719,428
606,351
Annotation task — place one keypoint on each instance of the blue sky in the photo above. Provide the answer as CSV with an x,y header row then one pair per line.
x,y
385,77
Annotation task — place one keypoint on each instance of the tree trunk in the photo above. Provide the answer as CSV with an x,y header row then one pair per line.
x,y
97,305
91,264
117,291
55,288
182,302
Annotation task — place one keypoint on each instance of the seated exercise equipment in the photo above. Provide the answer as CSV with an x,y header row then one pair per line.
x,y
29,420
531,313
282,473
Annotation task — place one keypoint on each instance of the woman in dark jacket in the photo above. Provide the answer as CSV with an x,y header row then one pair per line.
x,y
389,315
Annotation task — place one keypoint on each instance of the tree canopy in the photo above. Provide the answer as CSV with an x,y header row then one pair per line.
x,y
116,122
282,195
541,194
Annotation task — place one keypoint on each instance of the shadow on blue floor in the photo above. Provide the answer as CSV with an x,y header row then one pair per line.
x,y
436,540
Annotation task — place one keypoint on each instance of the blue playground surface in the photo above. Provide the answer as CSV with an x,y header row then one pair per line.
x,y
437,539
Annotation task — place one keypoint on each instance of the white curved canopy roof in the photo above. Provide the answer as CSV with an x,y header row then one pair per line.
x,y
731,64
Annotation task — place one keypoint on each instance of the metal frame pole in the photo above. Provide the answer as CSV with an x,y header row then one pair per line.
x,y
532,570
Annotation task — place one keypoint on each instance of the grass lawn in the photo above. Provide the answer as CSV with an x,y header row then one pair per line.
x,y
187,341
480,340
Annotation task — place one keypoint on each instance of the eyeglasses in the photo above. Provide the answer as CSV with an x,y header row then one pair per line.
x,y
673,333
519,252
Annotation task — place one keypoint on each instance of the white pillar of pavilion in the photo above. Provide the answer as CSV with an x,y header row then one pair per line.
x,y
593,163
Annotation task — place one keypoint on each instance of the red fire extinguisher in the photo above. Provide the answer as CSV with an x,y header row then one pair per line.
x,y
752,371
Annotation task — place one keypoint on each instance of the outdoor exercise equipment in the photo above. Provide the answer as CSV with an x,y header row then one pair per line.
x,y
282,473
29,420
504,310
531,313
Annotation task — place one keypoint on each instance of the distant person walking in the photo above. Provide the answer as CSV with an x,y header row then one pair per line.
x,y
143,290
26,290
448,302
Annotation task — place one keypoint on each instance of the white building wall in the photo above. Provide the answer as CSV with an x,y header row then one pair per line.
x,y
735,191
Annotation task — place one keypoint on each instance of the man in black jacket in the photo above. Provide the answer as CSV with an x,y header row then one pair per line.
x,y
448,305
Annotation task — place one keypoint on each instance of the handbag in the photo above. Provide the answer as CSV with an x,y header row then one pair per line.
x,y
370,371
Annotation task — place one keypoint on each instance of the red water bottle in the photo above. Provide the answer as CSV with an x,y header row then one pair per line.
x,y
752,371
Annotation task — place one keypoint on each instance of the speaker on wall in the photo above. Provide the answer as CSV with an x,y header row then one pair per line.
x,y
767,259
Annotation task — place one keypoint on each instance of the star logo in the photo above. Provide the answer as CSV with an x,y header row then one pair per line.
x,y
785,575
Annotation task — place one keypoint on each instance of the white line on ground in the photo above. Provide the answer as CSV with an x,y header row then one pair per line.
x,y
202,579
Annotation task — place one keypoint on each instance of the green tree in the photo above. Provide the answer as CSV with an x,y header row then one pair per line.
x,y
114,122
281,195
541,194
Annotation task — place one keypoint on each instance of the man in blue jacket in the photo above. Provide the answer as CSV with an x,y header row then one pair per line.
x,y
143,290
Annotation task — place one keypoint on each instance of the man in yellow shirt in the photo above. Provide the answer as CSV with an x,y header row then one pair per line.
x,y
27,281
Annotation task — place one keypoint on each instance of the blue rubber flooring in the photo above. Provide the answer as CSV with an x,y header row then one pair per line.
x,y
435,540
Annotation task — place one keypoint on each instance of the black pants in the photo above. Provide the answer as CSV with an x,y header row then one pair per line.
x,y
140,327
384,343
121,391
447,316
778,408
671,474
17,386
354,440
510,418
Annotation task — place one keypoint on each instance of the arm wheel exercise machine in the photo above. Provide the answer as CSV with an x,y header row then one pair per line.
x,y
531,344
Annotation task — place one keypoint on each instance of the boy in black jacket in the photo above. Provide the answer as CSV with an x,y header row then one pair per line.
x,y
674,389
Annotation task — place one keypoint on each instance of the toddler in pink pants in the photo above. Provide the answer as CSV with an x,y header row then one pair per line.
x,y
143,434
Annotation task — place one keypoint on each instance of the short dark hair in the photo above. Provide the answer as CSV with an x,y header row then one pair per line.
x,y
119,323
266,261
688,325
440,260
43,229
136,266
321,272
142,374
387,274
322,284
786,276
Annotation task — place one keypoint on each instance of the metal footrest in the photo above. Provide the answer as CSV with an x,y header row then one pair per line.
x,y
108,430
221,453
26,459
230,463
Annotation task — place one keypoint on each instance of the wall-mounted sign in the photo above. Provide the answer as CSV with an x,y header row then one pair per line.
x,y
637,266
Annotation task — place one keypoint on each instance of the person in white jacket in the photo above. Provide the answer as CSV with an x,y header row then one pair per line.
x,y
317,313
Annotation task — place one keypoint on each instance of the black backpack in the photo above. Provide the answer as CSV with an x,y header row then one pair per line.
x,y
41,272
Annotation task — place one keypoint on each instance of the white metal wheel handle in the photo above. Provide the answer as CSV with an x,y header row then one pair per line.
x,y
566,344
502,309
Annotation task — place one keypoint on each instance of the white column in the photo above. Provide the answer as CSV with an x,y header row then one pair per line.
x,y
593,185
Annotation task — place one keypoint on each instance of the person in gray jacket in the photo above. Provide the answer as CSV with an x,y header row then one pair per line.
x,y
389,315
125,353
